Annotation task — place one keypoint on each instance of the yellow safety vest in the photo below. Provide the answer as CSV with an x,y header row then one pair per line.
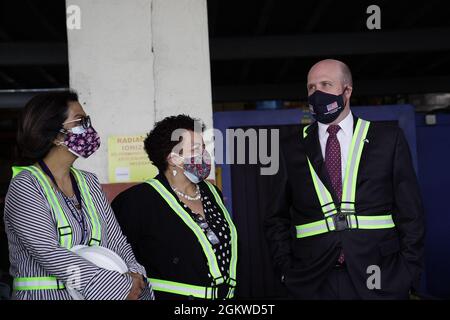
x,y
220,280
344,216
62,225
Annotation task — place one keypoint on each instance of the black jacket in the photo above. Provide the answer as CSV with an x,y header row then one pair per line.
x,y
161,241
386,184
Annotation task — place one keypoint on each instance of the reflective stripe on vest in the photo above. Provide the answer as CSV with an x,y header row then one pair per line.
x,y
62,224
351,172
354,222
233,232
347,205
187,289
96,232
37,283
184,289
325,198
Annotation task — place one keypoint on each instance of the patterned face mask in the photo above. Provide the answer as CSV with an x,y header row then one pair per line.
x,y
198,167
81,141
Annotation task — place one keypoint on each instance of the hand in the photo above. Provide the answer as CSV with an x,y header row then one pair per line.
x,y
137,287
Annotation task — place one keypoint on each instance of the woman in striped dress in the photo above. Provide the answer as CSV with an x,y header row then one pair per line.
x,y
51,207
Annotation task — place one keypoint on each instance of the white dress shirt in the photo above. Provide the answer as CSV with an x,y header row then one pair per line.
x,y
344,137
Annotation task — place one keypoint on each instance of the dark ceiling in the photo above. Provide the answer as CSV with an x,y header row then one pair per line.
x,y
261,49
264,49
31,34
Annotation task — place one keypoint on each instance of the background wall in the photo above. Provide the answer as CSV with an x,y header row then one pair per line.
x,y
133,66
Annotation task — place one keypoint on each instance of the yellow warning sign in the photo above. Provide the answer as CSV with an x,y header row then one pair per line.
x,y
128,161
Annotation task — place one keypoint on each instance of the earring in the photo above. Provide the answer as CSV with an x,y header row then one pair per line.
x,y
174,172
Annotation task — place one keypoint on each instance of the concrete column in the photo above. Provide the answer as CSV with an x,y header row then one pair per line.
x,y
135,61
181,55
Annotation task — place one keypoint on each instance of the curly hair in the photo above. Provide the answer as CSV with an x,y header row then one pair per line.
x,y
158,144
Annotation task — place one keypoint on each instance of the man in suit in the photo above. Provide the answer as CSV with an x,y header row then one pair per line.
x,y
365,244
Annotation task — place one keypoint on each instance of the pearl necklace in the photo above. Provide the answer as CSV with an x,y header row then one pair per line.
x,y
186,196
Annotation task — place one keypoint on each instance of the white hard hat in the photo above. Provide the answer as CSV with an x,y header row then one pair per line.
x,y
100,256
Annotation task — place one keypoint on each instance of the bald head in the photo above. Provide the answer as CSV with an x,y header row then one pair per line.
x,y
330,73
334,77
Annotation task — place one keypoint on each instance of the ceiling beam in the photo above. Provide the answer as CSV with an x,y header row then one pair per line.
x,y
330,44
307,45
11,99
33,54
8,79
48,76
296,91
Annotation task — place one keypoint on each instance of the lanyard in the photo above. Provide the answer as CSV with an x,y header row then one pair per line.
x,y
79,216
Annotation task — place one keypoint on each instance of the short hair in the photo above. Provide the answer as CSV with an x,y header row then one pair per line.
x,y
346,74
159,144
40,123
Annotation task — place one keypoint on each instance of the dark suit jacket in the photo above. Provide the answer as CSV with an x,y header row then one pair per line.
x,y
161,241
386,184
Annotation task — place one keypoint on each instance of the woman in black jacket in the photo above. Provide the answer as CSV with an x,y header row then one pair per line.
x,y
177,223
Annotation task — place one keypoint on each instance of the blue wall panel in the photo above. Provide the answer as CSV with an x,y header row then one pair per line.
x,y
433,147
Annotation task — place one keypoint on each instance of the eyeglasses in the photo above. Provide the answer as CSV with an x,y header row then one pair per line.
x,y
84,121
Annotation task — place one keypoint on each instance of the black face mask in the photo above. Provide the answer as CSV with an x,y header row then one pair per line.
x,y
326,107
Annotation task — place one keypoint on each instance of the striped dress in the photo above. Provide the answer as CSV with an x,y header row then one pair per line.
x,y
34,249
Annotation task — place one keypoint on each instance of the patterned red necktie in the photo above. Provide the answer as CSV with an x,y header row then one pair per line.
x,y
333,166
333,160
